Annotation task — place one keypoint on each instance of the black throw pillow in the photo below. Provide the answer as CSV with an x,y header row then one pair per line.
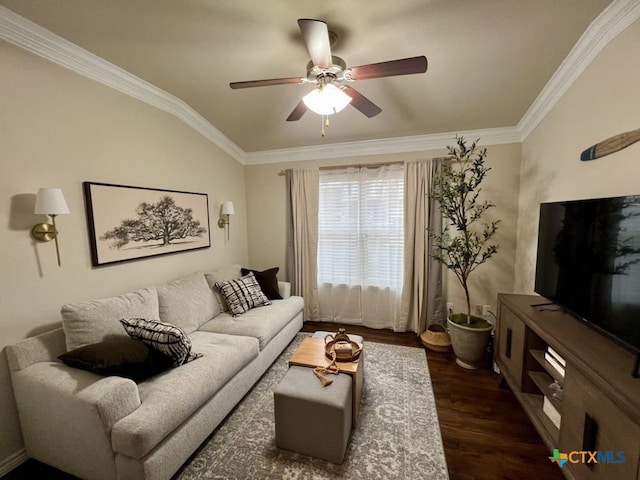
x,y
124,357
267,280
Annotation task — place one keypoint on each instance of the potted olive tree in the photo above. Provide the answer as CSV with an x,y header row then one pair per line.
x,y
465,242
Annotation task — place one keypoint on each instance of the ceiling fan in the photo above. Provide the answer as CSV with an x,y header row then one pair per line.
x,y
331,75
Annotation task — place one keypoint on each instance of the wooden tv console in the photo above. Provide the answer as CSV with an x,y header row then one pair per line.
x,y
600,402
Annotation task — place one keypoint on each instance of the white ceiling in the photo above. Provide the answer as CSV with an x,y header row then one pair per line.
x,y
488,59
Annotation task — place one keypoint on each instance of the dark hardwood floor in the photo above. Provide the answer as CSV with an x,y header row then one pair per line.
x,y
486,434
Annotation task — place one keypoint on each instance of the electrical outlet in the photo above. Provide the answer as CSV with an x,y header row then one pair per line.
x,y
449,308
478,310
486,310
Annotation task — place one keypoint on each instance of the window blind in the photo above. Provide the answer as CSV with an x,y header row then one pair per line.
x,y
360,227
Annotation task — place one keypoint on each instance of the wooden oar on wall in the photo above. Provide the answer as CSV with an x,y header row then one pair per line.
x,y
611,145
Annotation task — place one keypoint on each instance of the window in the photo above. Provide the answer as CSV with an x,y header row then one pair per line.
x,y
360,227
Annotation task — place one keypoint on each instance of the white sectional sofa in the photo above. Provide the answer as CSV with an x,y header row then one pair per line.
x,y
112,428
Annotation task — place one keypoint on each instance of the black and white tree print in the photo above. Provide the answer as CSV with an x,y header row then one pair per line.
x,y
163,221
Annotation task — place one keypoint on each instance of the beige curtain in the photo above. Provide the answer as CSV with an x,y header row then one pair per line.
x,y
302,237
422,302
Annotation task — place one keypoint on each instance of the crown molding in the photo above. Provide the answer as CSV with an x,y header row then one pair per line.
x,y
30,36
417,143
25,34
619,15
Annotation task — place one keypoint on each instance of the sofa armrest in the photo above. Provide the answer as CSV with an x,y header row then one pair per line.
x,y
42,348
47,383
67,414
285,289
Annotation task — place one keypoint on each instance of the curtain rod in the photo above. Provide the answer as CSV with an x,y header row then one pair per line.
x,y
361,165
376,165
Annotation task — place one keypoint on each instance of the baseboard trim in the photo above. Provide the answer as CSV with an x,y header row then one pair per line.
x,y
13,461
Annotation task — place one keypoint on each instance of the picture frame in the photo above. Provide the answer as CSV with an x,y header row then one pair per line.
x,y
128,223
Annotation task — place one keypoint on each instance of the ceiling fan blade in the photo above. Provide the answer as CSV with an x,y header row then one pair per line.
x,y
405,66
266,83
362,103
297,113
316,37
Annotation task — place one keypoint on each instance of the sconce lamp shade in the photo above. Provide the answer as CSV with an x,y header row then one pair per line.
x,y
227,208
50,201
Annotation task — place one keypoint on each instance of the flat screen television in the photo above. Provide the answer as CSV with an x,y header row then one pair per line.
x,y
588,262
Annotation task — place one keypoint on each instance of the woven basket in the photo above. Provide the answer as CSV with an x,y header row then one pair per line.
x,y
436,338
345,350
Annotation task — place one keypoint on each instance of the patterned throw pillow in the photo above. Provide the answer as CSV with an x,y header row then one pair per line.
x,y
163,337
242,294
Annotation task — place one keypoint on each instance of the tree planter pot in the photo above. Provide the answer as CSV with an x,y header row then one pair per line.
x,y
469,344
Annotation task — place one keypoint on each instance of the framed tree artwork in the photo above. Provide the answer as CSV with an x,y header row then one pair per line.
x,y
128,223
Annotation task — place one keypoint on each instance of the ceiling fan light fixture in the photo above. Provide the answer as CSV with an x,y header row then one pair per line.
x,y
326,99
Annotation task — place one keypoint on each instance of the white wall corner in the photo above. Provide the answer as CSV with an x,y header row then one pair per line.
x,y
12,462
619,15
30,36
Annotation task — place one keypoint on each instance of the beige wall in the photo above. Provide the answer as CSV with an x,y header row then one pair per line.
x,y
58,129
266,201
604,101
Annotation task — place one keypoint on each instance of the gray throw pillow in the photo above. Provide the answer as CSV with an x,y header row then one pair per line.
x,y
223,274
187,302
94,321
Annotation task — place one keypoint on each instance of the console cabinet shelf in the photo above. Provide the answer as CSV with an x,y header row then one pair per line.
x,y
539,356
599,408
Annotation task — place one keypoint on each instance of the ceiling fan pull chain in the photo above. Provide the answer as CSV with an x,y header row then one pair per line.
x,y
322,123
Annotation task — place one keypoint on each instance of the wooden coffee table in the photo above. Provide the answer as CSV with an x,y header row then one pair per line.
x,y
311,353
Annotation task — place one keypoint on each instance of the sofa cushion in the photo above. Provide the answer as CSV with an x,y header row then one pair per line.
x,y
170,398
126,357
187,302
243,294
267,280
262,323
85,323
220,275
163,337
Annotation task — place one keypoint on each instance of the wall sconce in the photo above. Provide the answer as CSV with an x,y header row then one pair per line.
x,y
49,201
227,209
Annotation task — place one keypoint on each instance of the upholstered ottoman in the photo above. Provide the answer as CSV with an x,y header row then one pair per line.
x,y
310,418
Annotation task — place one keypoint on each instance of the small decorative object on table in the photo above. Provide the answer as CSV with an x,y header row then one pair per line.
x,y
339,348
340,345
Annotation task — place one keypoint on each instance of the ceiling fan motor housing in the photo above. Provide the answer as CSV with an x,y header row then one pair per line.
x,y
336,72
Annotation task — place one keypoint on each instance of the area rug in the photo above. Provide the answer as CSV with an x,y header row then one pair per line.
x,y
397,437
